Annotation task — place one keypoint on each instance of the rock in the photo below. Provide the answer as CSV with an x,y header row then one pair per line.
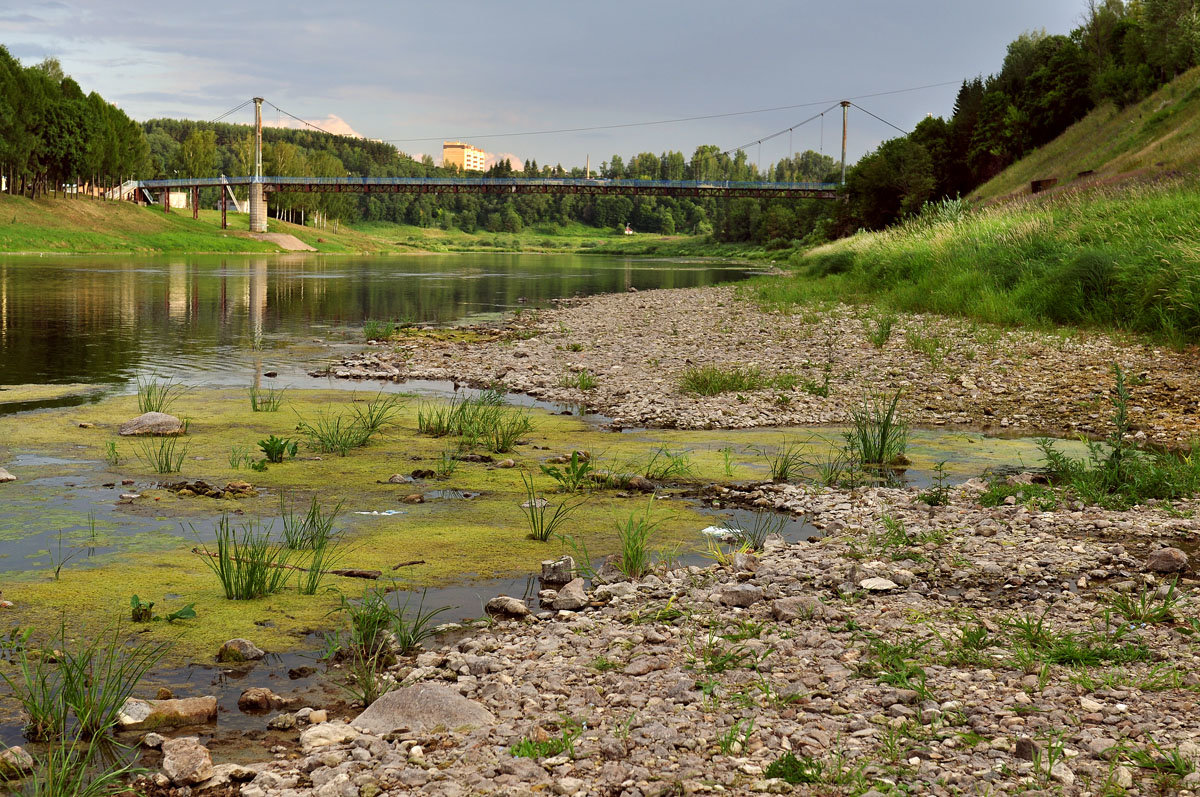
x,y
282,722
745,562
506,463
224,774
144,715
326,734
414,498
317,716
1167,560
1026,749
506,607
15,763
151,423
607,592
1063,774
237,650
399,478
5,476
258,698
571,597
742,595
153,741
641,484
186,761
558,571
164,694
877,584
422,707
804,607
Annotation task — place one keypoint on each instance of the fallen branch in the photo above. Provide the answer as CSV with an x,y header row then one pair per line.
x,y
348,573
409,564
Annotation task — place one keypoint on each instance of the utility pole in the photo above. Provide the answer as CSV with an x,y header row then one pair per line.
x,y
258,205
845,108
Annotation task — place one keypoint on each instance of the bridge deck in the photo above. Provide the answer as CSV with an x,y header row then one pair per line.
x,y
511,185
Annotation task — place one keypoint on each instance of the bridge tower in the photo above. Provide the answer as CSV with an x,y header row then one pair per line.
x,y
258,202
845,107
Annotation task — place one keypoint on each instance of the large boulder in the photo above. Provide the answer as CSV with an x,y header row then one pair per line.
x,y
558,571
571,597
146,715
186,761
741,595
15,763
1167,560
239,650
326,734
504,606
421,708
151,423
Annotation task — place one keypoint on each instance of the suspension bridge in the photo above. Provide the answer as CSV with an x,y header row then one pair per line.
x,y
259,185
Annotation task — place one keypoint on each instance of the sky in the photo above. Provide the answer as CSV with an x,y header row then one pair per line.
x,y
493,73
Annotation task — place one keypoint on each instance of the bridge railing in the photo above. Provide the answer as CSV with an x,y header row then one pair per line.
x,y
481,182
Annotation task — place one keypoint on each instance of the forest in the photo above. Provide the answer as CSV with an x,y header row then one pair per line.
x,y
1122,50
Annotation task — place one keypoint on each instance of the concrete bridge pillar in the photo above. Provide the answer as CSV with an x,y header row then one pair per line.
x,y
258,208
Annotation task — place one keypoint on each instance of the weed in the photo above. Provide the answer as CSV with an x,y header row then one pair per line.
x,y
664,465
576,347
162,454
727,460
375,329
891,663
111,455
1027,494
575,474
73,767
445,466
247,562
634,541
737,738
311,530
795,771
547,748
60,559
543,521
879,435
713,655
266,399
1149,605
156,395
99,677
1159,759
605,664
938,493
239,456
582,380
711,380
373,417
881,331
276,448
765,524
667,613
786,461
931,346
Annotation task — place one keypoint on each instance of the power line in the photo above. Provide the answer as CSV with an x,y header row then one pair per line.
x,y
880,118
302,121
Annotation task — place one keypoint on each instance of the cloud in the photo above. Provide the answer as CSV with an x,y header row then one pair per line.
x,y
330,124
495,157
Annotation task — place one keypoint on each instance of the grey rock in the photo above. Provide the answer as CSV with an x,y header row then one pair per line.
x,y
151,423
144,715
237,650
186,761
1167,560
504,606
422,707
15,763
571,597
326,734
877,584
5,476
742,595
558,571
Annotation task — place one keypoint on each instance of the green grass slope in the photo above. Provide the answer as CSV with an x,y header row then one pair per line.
x,y
1161,133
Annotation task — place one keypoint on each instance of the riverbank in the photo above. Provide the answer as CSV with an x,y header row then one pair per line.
x,y
907,648
626,356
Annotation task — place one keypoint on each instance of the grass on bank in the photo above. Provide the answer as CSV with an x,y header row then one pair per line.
x,y
1125,258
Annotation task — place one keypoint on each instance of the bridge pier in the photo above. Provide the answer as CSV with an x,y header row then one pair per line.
x,y
258,208
195,202
224,202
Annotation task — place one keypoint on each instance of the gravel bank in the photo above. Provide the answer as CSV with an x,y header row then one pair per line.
x,y
953,372
913,658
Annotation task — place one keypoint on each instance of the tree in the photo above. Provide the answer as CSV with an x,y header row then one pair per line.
x,y
198,155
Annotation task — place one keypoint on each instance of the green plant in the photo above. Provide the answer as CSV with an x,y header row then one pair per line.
x,y
633,535
665,464
582,380
37,686
239,456
142,612
74,767
1037,495
786,461
375,329
445,466
605,664
727,460
266,399
765,524
711,380
373,417
60,559
574,476
881,330
795,771
276,448
553,746
891,663
312,529
156,395
1159,759
1148,605
331,434
714,655
111,455
938,493
543,521
98,677
737,738
931,346
247,562
162,454
878,434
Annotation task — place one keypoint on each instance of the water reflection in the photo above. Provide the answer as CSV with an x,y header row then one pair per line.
x,y
100,319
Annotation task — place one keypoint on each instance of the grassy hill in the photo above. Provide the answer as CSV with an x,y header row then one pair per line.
x,y
1118,249
1161,133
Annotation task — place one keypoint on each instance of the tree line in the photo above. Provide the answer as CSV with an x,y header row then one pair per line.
x,y
52,134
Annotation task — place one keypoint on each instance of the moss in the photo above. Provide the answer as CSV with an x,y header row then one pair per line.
x,y
20,394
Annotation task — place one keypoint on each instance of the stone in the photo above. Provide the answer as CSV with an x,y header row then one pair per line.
x,y
506,463
317,716
558,571
744,562
5,476
153,740
877,584
151,423
423,707
145,715
414,498
259,698
506,607
15,763
742,595
238,650
804,607
282,722
1026,749
1063,774
224,774
186,761
571,597
1167,560
326,734
641,484
608,592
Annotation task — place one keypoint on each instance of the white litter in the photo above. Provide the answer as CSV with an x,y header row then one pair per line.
x,y
384,513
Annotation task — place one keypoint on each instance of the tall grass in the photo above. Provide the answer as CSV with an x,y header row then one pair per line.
x,y
76,768
1121,257
266,399
338,433
247,562
711,380
878,433
633,536
162,454
483,421
157,395
543,519
312,528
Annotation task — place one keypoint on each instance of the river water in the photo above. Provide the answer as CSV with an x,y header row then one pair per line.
x,y
103,319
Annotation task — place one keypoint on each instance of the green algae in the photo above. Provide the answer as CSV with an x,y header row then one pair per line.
x,y
21,394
